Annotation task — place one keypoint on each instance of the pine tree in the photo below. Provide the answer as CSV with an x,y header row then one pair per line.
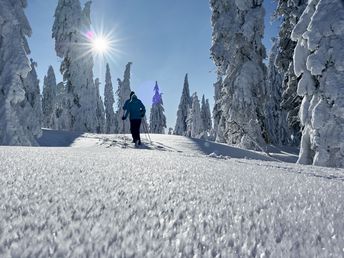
x,y
157,122
217,110
318,65
100,109
32,94
238,53
276,118
203,114
61,117
109,101
77,65
208,122
19,126
183,109
290,11
123,94
194,120
206,115
49,97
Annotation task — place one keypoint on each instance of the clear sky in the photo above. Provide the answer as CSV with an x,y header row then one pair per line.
x,y
164,40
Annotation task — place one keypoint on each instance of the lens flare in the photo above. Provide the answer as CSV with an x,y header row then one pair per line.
x,y
103,45
100,45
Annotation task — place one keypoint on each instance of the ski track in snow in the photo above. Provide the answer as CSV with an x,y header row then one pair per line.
x,y
100,199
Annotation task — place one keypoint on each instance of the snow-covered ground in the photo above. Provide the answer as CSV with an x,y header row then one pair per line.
x,y
174,197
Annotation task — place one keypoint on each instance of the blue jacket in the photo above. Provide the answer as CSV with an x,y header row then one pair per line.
x,y
134,108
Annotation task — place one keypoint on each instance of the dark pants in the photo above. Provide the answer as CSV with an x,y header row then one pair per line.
x,y
135,129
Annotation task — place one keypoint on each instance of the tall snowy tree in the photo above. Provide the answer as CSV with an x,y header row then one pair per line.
x,y
208,121
183,109
109,101
217,111
123,93
203,113
238,53
60,119
19,126
206,115
157,122
276,117
32,93
290,12
194,121
71,22
319,66
49,97
100,109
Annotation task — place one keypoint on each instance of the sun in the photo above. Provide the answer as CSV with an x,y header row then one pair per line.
x,y
104,46
100,45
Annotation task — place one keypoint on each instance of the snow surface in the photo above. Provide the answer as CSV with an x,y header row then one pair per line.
x,y
168,199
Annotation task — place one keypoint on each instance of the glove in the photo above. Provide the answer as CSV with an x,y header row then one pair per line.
x,y
123,117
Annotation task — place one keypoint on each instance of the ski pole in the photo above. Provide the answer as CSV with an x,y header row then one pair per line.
x,y
147,133
125,138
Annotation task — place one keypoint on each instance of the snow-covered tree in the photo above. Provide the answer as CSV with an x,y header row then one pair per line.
x,y
208,121
290,12
217,111
109,101
157,122
19,126
319,66
71,23
32,94
203,113
183,109
276,117
206,115
238,53
49,97
100,109
194,123
123,94
60,119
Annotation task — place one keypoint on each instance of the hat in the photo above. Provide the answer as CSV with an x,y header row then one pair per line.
x,y
132,93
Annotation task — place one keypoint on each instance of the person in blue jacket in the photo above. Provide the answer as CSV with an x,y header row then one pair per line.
x,y
136,111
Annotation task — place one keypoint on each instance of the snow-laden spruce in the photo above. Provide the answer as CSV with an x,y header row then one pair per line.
x,y
100,111
157,121
276,117
238,53
206,117
183,109
49,97
319,65
71,23
17,127
123,94
217,112
61,117
33,96
290,12
109,101
194,123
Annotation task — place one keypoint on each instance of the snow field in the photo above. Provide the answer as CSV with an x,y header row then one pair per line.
x,y
113,202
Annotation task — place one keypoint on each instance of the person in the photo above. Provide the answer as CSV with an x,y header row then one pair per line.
x,y
136,111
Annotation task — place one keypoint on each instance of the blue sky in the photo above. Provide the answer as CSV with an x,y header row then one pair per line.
x,y
164,40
